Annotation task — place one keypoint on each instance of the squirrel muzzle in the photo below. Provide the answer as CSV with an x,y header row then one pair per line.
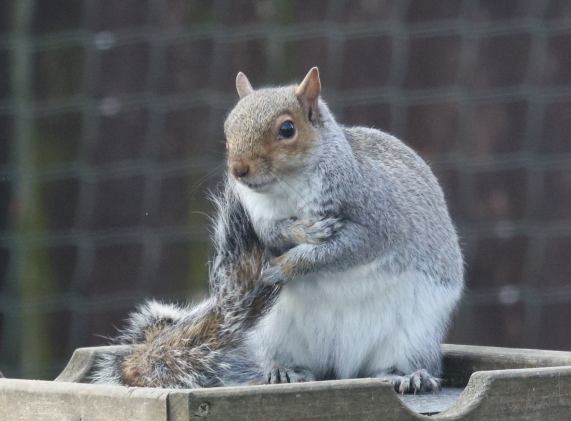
x,y
239,169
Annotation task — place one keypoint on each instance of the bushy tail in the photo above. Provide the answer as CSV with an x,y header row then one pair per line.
x,y
178,348
202,345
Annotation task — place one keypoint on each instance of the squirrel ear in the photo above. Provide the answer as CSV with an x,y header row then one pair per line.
x,y
310,87
243,85
308,92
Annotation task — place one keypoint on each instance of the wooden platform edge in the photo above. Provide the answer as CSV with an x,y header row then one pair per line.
x,y
460,361
81,363
526,394
516,394
27,400
504,392
356,399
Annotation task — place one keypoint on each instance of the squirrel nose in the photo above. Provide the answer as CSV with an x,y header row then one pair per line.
x,y
240,169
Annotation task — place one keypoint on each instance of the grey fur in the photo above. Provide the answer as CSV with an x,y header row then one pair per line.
x,y
386,204
383,193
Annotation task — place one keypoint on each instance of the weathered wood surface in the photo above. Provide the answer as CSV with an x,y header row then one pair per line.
x,y
538,393
510,395
529,394
460,361
432,403
359,399
35,400
80,365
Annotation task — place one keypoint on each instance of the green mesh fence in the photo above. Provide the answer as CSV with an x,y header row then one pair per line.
x,y
111,119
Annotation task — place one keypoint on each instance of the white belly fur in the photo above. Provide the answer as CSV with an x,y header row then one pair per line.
x,y
359,322
284,200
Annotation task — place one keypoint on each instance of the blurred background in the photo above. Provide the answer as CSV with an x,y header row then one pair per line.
x,y
111,118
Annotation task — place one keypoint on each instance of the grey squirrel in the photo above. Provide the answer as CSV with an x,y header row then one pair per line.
x,y
353,236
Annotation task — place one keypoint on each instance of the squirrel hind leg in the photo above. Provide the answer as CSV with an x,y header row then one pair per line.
x,y
419,381
280,374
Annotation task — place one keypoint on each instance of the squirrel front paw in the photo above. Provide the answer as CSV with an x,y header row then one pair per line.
x,y
317,230
286,375
272,273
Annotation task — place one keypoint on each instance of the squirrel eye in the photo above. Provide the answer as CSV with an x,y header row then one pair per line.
x,y
287,130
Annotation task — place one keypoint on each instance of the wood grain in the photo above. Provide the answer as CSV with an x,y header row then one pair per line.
x,y
500,384
35,400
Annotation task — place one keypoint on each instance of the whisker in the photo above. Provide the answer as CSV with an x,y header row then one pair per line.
x,y
211,173
201,213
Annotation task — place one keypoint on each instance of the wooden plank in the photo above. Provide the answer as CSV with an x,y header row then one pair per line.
x,y
460,361
359,399
528,394
510,395
488,393
80,365
33,400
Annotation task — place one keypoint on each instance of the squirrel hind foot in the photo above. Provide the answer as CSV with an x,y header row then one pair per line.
x,y
420,381
287,375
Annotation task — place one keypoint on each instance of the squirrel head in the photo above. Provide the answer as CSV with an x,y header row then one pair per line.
x,y
271,132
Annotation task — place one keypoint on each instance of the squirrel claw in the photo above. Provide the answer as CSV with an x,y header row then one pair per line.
x,y
418,382
272,274
320,230
286,375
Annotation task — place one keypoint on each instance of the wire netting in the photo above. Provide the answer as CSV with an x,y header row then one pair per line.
x,y
111,119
